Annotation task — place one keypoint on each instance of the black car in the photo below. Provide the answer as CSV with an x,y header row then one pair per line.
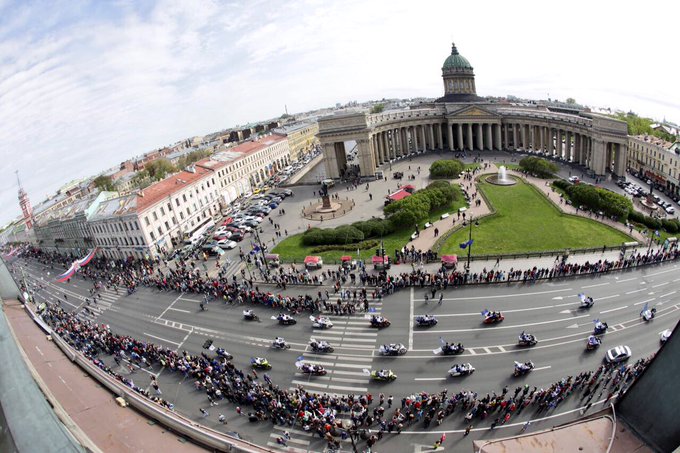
x,y
238,237
210,248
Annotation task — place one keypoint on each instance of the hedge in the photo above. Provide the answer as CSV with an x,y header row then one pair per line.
x,y
347,247
348,234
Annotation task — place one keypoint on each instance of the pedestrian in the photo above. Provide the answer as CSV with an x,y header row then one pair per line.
x,y
222,419
204,412
441,298
238,410
526,425
467,430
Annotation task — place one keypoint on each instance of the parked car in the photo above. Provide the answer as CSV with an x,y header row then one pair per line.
x,y
238,237
226,244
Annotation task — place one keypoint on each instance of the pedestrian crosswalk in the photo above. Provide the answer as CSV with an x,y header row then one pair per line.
x,y
94,310
354,343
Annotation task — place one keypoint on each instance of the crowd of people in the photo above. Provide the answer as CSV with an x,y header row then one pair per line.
x,y
323,414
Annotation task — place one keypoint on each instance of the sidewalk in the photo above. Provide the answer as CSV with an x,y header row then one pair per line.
x,y
91,407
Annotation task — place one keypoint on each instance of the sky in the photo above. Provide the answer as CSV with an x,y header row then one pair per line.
x,y
85,85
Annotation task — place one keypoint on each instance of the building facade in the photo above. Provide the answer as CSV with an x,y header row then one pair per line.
x,y
301,138
462,121
657,160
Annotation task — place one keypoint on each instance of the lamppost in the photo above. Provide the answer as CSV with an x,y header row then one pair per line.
x,y
259,242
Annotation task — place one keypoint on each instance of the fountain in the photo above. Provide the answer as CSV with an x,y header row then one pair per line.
x,y
502,179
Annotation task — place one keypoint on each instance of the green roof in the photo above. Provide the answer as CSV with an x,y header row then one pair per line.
x,y
456,60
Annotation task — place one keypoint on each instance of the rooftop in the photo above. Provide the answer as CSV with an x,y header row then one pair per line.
x,y
115,207
162,189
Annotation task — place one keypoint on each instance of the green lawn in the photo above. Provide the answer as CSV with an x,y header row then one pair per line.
x,y
526,221
292,249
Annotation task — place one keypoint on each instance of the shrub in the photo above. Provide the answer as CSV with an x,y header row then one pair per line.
x,y
671,225
346,234
562,184
539,167
596,199
364,245
449,168
637,217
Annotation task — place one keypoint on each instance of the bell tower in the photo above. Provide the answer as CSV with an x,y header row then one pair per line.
x,y
25,204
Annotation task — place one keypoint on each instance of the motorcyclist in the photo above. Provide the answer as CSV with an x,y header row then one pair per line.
x,y
593,340
259,361
599,325
526,336
382,374
375,319
248,314
280,342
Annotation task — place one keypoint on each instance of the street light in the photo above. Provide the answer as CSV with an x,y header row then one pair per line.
x,y
259,242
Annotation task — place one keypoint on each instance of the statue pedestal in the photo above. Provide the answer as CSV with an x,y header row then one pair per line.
x,y
326,202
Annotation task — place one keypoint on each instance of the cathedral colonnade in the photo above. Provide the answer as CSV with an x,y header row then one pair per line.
x,y
462,121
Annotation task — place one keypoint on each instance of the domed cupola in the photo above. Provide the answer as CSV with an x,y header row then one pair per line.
x,y
459,79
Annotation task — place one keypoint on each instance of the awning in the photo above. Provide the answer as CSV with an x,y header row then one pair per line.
x,y
399,195
450,259
345,258
312,259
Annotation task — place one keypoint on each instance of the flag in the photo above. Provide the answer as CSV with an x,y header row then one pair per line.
x,y
300,359
466,244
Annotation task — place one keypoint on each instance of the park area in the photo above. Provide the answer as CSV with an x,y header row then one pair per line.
x,y
526,221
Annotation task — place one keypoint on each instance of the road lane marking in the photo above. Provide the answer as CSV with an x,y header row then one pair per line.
x,y
500,327
660,284
543,368
161,339
626,280
613,309
502,295
410,324
667,294
430,379
170,306
41,353
645,301
661,272
501,348
177,309
487,350
594,286
636,291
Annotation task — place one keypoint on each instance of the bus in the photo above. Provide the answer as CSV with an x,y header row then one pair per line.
x,y
194,236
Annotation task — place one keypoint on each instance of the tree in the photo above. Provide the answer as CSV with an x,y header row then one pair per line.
x,y
571,101
378,108
449,168
105,183
159,169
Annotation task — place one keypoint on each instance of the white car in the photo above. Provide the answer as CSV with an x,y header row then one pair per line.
x,y
573,179
618,354
670,210
665,335
226,244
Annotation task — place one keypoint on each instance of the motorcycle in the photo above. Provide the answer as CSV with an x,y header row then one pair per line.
x,y
648,314
492,317
523,368
586,302
249,315
392,349
379,322
600,327
527,339
260,363
321,322
381,375
222,353
463,369
320,346
280,343
284,319
426,321
449,349
593,343
313,370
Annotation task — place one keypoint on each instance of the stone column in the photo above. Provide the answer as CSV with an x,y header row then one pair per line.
x,y
381,147
558,142
497,131
365,154
506,136
422,136
329,160
469,136
406,146
598,157
430,129
480,136
396,139
514,136
489,137
440,142
449,136
621,159
460,144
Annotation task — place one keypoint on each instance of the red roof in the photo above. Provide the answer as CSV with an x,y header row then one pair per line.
x,y
408,187
399,195
175,183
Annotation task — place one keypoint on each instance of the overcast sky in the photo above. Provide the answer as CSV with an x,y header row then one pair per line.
x,y
85,85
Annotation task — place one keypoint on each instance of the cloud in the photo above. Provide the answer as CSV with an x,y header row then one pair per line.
x,y
85,84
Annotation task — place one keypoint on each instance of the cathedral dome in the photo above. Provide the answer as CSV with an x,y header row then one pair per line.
x,y
456,61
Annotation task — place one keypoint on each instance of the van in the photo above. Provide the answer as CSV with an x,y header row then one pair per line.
x,y
329,182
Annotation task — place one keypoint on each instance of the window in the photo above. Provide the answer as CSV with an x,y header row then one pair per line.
x,y
167,226
177,202
162,211
155,216
181,215
153,236
169,207
160,231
